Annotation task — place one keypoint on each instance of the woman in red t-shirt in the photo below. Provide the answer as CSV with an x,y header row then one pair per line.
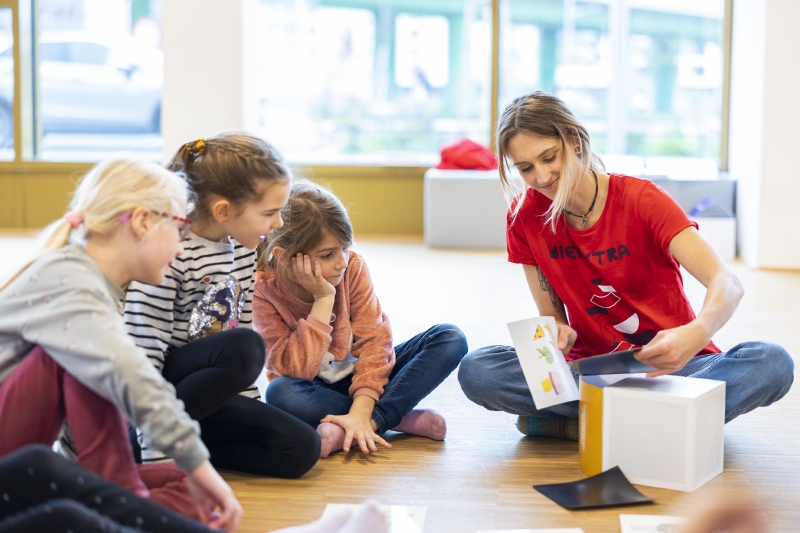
x,y
602,254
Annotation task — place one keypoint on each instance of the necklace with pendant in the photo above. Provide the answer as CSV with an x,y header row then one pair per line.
x,y
584,219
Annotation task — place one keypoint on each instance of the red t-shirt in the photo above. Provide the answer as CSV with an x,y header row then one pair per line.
x,y
618,280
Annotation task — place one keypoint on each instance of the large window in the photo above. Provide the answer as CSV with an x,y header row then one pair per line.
x,y
385,81
394,80
561,47
674,94
373,81
6,85
644,76
100,78
98,73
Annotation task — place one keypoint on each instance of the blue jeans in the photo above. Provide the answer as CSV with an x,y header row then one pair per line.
x,y
421,364
756,374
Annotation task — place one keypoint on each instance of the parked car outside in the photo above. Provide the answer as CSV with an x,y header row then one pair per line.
x,y
90,84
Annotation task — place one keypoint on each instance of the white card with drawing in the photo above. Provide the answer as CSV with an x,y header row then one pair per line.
x,y
559,530
401,518
649,523
546,371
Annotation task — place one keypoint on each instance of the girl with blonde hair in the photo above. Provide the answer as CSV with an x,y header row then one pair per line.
x,y
330,356
602,254
195,325
65,355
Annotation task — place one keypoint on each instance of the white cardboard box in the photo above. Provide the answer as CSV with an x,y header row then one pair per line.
x,y
464,209
663,432
467,209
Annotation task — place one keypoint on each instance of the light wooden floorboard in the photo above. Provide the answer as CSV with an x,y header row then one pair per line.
x,y
481,477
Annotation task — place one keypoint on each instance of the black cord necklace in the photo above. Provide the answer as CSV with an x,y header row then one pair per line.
x,y
583,217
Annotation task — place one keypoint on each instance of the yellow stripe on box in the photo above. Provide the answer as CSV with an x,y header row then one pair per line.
x,y
590,450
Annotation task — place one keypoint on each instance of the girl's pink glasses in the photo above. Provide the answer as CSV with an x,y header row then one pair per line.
x,y
183,228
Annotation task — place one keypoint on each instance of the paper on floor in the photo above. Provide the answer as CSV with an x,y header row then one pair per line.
x,y
568,530
650,523
402,518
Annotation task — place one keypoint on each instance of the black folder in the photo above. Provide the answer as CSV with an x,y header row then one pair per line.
x,y
609,489
622,362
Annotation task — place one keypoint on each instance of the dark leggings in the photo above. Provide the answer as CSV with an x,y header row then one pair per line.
x,y
242,434
43,492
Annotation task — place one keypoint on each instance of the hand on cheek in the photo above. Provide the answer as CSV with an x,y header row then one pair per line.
x,y
309,276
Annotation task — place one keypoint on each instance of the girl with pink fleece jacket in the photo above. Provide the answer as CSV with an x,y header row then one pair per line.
x,y
330,357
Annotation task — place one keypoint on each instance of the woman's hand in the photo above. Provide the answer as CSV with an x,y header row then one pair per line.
x,y
671,349
310,277
358,425
566,338
209,491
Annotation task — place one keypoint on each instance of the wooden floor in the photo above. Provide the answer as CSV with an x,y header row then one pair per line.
x,y
481,476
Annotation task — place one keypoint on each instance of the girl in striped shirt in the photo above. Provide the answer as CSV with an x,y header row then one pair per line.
x,y
196,325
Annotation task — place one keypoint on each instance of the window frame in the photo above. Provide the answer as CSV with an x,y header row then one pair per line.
x,y
27,133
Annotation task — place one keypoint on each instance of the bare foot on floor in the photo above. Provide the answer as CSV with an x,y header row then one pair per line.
x,y
423,423
332,437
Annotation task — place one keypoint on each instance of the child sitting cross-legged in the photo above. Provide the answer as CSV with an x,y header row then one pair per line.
x,y
330,356
65,355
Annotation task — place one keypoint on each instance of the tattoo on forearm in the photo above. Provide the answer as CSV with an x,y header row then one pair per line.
x,y
545,286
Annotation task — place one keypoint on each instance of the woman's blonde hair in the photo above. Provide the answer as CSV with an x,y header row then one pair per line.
x,y
233,165
112,188
545,115
311,213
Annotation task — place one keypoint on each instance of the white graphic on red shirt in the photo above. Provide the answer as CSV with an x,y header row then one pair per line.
x,y
618,325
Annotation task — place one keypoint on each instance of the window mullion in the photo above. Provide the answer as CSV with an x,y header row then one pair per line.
x,y
619,30
495,84
23,80
727,40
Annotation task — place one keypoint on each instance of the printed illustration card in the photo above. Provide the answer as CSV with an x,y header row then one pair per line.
x,y
650,523
559,530
545,369
402,518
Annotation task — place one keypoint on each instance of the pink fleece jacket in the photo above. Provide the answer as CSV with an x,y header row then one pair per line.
x,y
296,343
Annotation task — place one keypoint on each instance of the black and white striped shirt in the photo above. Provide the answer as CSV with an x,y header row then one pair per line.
x,y
158,317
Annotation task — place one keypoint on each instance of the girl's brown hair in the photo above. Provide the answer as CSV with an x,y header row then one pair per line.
x,y
311,213
236,166
545,115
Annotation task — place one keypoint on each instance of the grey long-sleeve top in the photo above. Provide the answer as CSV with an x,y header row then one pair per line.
x,y
64,303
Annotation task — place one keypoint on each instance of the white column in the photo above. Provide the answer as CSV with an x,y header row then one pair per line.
x,y
765,130
209,69
618,93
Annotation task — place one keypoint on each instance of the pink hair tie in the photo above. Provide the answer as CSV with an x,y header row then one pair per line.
x,y
73,218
